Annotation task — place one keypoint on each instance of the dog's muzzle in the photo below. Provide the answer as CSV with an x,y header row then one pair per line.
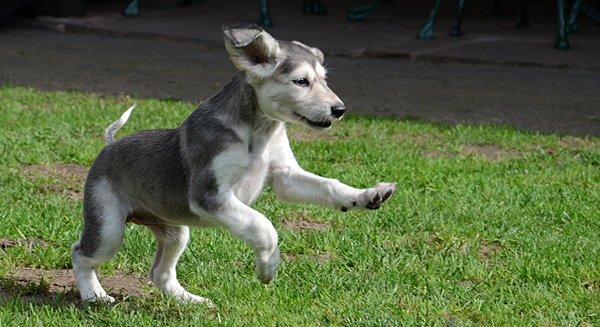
x,y
337,111
314,124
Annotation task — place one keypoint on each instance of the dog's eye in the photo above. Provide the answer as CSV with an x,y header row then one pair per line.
x,y
301,82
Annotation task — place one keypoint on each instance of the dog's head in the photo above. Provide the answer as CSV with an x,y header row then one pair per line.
x,y
288,77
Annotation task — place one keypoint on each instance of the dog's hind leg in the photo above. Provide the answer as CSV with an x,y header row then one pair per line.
x,y
103,232
170,243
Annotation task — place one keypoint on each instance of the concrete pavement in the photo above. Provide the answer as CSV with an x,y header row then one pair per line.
x,y
377,66
388,32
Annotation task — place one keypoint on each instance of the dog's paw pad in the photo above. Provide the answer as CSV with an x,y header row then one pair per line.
x,y
383,191
375,204
387,195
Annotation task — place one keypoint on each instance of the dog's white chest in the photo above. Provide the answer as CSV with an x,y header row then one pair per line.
x,y
242,171
252,181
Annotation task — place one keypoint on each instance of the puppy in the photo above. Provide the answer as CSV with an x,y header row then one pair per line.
x,y
208,171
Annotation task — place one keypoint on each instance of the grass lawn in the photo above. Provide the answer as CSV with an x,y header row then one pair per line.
x,y
490,226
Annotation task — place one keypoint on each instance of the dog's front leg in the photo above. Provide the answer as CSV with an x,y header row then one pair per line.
x,y
252,227
291,183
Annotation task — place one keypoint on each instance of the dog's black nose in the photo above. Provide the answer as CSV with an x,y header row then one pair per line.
x,y
338,110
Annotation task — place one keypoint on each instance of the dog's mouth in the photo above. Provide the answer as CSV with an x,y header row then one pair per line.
x,y
313,124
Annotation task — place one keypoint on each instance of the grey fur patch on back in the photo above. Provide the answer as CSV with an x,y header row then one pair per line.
x,y
241,35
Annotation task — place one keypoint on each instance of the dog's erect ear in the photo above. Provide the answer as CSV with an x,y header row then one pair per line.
x,y
251,49
318,53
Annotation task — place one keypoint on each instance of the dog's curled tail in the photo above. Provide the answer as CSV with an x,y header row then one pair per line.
x,y
109,134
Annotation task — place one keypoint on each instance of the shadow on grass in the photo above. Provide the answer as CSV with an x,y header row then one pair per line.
x,y
57,287
14,292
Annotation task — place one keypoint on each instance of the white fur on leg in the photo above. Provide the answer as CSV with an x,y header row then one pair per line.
x,y
170,243
157,257
166,282
86,277
110,235
253,228
291,183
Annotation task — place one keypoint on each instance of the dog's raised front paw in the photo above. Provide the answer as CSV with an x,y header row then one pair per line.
x,y
373,197
265,271
383,191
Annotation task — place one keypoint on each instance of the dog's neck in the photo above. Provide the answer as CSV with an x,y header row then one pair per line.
x,y
236,104
236,99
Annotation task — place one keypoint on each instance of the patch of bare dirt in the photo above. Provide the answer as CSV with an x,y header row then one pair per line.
x,y
450,246
572,142
592,284
29,243
321,258
491,152
304,225
437,154
417,139
438,243
60,169
488,250
70,193
46,286
63,178
485,251
308,136
488,151
33,296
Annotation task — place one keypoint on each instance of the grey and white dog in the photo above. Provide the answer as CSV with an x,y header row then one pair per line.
x,y
208,171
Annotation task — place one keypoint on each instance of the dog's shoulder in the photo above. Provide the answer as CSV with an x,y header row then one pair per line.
x,y
221,120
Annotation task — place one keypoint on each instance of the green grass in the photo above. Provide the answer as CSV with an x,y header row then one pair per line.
x,y
490,226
